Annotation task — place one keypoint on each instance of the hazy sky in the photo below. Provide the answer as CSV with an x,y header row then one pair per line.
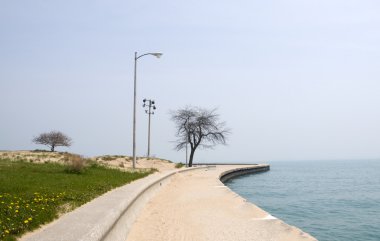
x,y
293,79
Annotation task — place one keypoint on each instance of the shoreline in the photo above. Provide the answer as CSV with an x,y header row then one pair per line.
x,y
186,204
237,172
198,206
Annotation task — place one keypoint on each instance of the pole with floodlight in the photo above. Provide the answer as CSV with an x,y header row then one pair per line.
x,y
150,104
158,55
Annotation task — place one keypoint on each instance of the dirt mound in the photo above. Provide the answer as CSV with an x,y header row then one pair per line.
x,y
116,161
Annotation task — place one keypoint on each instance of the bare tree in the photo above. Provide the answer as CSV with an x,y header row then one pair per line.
x,y
53,139
198,127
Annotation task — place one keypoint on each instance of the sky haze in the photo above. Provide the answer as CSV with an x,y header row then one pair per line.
x,y
294,80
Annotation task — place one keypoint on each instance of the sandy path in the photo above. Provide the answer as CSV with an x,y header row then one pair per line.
x,y
197,206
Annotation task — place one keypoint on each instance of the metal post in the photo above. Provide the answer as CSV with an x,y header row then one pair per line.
x,y
134,116
157,55
150,106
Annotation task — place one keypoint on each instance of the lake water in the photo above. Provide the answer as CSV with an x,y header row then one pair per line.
x,y
331,200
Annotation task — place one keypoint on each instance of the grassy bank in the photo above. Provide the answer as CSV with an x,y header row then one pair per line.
x,y
33,194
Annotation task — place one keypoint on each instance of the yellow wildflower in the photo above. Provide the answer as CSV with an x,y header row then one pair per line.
x,y
26,221
30,219
7,231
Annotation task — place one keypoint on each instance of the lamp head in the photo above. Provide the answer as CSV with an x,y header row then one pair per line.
x,y
158,55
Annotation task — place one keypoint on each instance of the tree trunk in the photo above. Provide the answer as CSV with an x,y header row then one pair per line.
x,y
52,148
192,151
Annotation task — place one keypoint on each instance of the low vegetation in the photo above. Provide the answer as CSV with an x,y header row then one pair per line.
x,y
32,194
179,165
75,163
113,158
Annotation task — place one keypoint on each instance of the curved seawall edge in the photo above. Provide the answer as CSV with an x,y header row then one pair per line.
x,y
257,168
229,174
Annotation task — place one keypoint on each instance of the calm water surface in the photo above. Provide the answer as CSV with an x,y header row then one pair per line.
x,y
331,200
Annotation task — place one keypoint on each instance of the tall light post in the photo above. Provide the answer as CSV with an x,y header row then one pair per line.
x,y
150,105
158,55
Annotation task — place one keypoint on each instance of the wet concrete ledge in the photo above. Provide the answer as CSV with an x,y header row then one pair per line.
x,y
225,176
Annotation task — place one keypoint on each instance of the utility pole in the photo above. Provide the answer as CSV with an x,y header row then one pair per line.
x,y
157,55
149,104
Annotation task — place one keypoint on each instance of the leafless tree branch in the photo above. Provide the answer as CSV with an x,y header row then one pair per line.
x,y
53,139
198,127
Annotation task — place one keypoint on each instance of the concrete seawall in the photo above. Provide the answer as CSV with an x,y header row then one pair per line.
x,y
198,206
187,204
225,176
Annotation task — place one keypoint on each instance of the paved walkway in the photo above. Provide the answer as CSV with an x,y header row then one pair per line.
x,y
101,218
197,206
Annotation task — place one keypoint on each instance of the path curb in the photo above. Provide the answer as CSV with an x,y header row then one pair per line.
x,y
108,217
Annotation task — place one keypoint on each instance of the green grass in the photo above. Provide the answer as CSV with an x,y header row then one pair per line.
x,y
33,194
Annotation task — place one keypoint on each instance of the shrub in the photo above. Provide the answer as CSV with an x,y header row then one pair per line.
x,y
108,158
76,163
39,150
179,165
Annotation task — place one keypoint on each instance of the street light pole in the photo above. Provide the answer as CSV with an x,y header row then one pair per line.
x,y
158,55
150,105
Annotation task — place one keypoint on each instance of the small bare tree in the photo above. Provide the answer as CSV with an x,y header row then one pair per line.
x,y
53,139
198,127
